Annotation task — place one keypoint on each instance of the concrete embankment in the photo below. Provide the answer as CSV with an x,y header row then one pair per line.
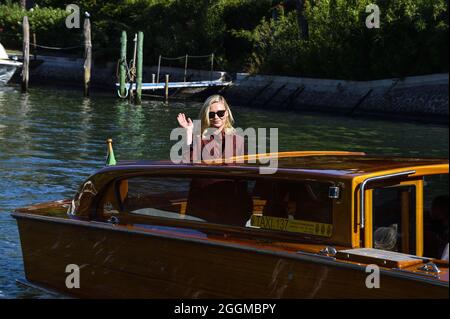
x,y
420,97
417,96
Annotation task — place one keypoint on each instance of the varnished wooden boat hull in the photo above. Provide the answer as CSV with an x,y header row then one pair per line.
x,y
116,263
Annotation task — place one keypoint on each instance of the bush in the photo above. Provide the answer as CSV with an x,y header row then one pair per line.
x,y
245,35
47,23
412,39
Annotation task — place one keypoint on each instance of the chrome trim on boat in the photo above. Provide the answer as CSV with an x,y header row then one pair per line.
x,y
316,255
371,179
329,250
430,267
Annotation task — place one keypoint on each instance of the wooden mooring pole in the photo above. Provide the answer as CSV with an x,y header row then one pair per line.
x,y
212,67
34,46
122,65
140,63
166,88
159,67
26,54
87,56
185,67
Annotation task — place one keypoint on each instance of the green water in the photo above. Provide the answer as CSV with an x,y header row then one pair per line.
x,y
51,140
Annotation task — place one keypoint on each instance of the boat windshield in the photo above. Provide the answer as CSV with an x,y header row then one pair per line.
x,y
401,218
394,219
436,212
276,205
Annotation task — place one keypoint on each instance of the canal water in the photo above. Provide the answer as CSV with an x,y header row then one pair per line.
x,y
51,140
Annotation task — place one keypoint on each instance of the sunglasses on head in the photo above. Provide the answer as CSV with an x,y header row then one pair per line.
x,y
219,114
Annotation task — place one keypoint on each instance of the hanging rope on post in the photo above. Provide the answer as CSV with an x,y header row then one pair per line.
x,y
128,74
57,48
133,70
185,57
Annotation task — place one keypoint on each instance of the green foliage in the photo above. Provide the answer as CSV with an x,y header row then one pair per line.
x,y
246,35
47,23
412,39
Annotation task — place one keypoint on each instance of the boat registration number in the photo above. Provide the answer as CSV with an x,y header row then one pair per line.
x,y
292,225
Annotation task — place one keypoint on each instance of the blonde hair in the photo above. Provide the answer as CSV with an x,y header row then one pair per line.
x,y
204,114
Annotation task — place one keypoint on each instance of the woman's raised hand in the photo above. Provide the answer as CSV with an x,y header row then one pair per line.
x,y
184,123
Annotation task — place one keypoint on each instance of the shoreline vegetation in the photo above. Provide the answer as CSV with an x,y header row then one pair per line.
x,y
297,38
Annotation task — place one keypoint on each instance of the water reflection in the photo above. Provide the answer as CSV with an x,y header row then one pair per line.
x,y
50,141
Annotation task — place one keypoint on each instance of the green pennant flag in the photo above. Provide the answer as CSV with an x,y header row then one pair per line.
x,y
110,159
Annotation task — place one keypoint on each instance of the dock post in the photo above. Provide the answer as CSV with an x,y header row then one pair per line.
x,y
123,61
185,68
34,46
87,56
167,88
140,57
159,68
153,80
212,67
26,54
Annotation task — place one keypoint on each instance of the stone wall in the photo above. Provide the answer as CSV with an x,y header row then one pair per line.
x,y
413,96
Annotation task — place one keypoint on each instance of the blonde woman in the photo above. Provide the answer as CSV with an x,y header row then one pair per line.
x,y
217,138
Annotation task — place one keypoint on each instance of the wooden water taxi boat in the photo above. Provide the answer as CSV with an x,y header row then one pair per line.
x,y
325,225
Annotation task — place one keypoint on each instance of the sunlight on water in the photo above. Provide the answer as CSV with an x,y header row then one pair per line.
x,y
50,141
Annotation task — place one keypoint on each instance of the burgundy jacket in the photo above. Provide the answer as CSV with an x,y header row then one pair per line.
x,y
216,147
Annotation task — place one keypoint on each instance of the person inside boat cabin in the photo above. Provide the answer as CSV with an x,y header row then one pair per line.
x,y
217,138
436,230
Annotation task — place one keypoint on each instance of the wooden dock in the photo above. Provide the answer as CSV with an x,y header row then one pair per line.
x,y
179,85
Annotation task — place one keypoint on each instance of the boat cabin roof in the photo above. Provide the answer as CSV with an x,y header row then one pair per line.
x,y
341,165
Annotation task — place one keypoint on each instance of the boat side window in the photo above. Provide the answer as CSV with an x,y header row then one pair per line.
x,y
394,218
110,201
157,197
277,205
436,211
213,200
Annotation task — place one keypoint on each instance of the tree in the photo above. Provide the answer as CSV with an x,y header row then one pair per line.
x,y
302,22
299,7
